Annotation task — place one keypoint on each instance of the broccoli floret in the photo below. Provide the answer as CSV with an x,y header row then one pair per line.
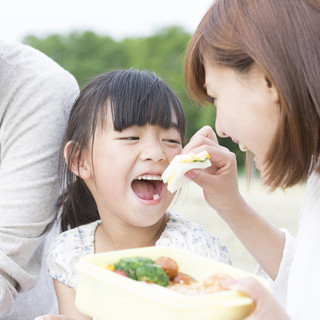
x,y
142,269
152,273
130,265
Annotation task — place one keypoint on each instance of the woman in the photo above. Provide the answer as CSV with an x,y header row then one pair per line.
x,y
258,63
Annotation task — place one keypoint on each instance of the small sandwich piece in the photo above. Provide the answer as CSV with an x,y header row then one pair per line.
x,y
174,174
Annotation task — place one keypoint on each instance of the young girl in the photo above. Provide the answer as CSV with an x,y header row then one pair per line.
x,y
124,129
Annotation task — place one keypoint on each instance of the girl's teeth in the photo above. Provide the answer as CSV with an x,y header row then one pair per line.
x,y
145,177
243,148
155,196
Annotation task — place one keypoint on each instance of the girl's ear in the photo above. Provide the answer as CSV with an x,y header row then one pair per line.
x,y
273,91
80,167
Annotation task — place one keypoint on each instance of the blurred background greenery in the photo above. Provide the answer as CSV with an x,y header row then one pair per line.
x,y
87,54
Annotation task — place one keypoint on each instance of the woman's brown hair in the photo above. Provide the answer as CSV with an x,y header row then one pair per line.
x,y
283,38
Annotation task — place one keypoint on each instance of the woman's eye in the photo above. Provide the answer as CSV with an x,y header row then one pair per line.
x,y
211,100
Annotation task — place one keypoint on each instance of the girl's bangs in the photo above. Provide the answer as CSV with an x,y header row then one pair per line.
x,y
150,103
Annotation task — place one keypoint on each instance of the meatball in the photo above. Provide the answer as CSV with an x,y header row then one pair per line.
x,y
169,266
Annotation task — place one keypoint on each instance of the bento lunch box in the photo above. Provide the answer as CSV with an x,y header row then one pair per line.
x,y
106,295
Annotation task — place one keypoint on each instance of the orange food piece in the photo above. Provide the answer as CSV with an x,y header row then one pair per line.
x,y
169,266
211,284
214,283
183,278
109,267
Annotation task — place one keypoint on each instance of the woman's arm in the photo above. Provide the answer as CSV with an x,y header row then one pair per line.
x,y
220,187
264,241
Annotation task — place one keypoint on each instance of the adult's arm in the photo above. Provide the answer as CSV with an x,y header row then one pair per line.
x,y
220,186
33,115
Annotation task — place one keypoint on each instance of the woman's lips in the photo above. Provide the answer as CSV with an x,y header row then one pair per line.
x,y
241,146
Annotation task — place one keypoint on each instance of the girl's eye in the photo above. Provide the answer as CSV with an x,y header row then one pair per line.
x,y
173,141
130,138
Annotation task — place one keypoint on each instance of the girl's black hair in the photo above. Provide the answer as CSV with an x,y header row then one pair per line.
x,y
135,98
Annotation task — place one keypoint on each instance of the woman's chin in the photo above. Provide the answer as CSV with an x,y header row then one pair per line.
x,y
257,163
263,173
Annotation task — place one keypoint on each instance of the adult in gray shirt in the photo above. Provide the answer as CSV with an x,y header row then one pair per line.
x,y
36,95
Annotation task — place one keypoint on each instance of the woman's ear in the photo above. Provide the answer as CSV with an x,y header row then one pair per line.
x,y
80,167
273,91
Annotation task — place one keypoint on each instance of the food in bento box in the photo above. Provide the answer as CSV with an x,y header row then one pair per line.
x,y
164,271
211,284
141,269
174,174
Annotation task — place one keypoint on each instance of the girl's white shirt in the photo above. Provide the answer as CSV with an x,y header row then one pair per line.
x,y
180,232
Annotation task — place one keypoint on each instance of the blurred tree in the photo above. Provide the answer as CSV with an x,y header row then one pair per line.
x,y
87,54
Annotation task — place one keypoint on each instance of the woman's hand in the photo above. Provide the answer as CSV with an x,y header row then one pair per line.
x,y
220,188
220,181
266,306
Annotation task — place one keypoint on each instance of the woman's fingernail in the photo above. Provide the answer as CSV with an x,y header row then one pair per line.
x,y
191,175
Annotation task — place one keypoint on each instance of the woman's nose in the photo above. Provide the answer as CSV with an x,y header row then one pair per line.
x,y
219,130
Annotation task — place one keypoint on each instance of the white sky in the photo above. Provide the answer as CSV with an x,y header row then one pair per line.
x,y
115,18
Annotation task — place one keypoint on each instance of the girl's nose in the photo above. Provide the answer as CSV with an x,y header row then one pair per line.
x,y
153,151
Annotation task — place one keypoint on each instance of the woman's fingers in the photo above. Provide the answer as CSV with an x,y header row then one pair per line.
x,y
206,140
219,181
202,137
207,132
248,285
266,306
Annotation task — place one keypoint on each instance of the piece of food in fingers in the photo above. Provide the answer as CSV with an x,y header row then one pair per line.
x,y
180,164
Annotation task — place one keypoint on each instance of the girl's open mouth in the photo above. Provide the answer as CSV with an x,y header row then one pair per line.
x,y
148,187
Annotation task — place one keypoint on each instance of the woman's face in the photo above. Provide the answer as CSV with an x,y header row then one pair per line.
x,y
247,107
